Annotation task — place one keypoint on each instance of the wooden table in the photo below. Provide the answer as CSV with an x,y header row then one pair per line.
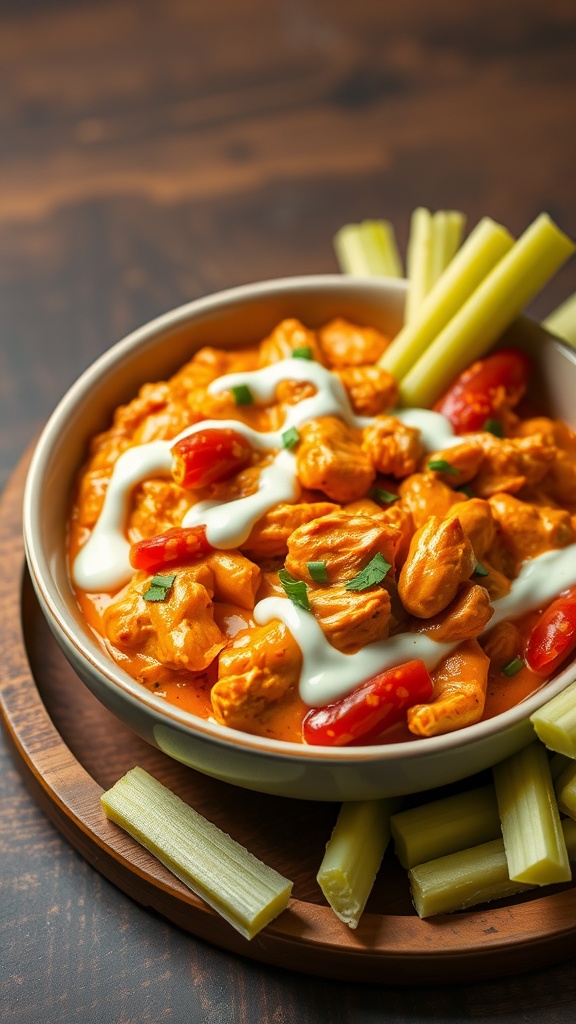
x,y
159,150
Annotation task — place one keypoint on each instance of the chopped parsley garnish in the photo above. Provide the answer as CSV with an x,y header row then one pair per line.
x,y
479,570
465,489
372,573
290,438
513,667
494,427
441,466
302,353
318,571
296,590
385,497
159,587
242,394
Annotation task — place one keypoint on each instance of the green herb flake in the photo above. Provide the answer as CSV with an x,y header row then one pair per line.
x,y
371,574
464,489
290,438
479,570
296,590
159,587
494,427
242,394
513,667
318,571
384,497
302,353
441,466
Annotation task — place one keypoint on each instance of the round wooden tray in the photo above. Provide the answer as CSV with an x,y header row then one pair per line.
x,y
69,748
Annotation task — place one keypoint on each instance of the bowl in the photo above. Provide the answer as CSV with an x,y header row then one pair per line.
x,y
153,352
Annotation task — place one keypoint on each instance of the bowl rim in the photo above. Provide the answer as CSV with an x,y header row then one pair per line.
x,y
89,648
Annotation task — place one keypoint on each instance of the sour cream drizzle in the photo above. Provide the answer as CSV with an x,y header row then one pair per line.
x,y
103,562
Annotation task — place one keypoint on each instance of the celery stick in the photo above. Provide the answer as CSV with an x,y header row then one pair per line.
x,y
492,307
447,236
369,249
469,877
246,892
533,840
555,722
483,248
562,321
353,855
565,789
418,262
446,825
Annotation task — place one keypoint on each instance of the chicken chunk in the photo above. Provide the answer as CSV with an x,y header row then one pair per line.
x,y
393,447
268,538
179,632
464,460
463,619
460,684
257,669
345,542
477,521
288,335
346,344
424,495
509,464
371,389
330,459
157,506
350,620
440,558
527,530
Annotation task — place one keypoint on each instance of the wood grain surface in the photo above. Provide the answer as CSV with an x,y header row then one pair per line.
x,y
154,151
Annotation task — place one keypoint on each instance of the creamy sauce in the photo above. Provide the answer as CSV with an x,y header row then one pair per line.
x,y
103,562
327,674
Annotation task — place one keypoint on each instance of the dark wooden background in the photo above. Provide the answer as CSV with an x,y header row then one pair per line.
x,y
152,151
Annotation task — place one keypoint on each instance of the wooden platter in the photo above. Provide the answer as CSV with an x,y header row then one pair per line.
x,y
69,748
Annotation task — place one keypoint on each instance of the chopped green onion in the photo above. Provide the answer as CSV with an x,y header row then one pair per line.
x,y
441,466
385,497
372,573
513,667
242,394
296,590
302,353
318,572
479,570
159,587
494,427
290,437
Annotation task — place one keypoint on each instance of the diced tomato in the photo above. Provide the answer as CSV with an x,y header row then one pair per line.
x,y
487,387
553,637
177,545
209,456
372,707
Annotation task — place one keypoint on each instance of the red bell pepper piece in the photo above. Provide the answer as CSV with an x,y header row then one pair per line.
x,y
372,707
179,544
209,456
482,391
553,637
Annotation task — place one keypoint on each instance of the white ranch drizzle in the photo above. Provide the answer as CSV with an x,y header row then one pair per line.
x,y
103,564
327,674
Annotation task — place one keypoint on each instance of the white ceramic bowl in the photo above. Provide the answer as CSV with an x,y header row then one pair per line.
x,y
151,353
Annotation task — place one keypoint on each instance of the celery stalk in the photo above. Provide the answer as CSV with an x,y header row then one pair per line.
x,y
446,825
492,307
368,249
482,250
562,321
465,879
448,231
353,855
555,722
418,262
533,839
246,892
